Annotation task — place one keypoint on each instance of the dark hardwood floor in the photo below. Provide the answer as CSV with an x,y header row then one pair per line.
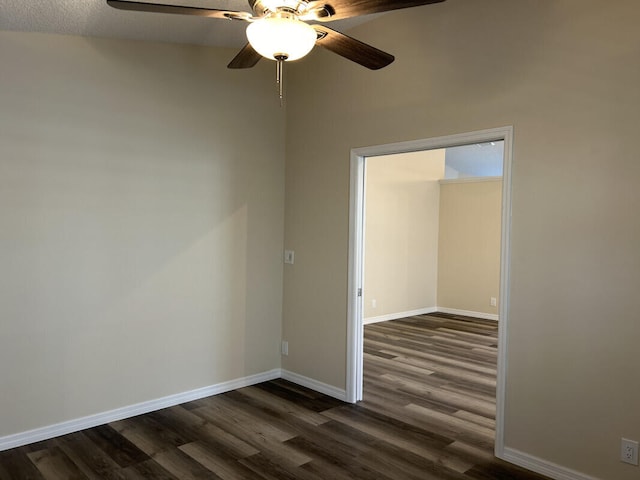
x,y
428,413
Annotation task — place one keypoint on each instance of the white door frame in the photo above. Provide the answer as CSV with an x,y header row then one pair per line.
x,y
356,256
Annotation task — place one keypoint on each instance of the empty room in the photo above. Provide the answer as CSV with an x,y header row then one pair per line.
x,y
151,325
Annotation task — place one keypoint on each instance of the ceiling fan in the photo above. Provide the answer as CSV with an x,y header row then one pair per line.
x,y
280,29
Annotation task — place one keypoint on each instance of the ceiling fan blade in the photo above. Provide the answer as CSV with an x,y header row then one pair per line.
x,y
246,58
352,49
354,8
160,8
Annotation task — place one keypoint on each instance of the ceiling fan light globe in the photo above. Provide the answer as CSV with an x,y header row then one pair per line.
x,y
274,37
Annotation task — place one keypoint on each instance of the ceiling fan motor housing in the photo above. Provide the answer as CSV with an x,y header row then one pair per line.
x,y
264,7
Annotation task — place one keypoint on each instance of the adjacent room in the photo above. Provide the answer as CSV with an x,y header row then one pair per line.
x,y
432,232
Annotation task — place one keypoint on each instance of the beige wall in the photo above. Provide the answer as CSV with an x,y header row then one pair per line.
x,y
565,74
141,229
469,245
401,224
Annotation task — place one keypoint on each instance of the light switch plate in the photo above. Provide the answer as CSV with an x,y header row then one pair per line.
x,y
289,256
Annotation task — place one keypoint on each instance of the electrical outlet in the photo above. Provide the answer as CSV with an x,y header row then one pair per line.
x,y
285,348
374,303
494,301
629,451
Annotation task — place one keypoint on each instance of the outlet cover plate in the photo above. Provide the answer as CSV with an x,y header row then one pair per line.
x,y
629,451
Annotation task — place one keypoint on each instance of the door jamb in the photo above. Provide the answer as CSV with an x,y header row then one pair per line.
x,y
356,256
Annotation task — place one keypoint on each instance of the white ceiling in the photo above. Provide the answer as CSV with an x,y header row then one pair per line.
x,y
95,18
476,160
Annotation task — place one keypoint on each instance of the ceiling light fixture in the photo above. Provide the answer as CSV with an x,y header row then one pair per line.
x,y
280,36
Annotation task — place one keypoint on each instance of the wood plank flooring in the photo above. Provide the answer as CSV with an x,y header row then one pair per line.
x,y
428,414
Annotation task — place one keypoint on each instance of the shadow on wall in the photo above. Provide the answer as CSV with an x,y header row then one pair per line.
x,y
137,222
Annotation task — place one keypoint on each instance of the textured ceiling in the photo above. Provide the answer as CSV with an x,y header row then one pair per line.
x,y
96,18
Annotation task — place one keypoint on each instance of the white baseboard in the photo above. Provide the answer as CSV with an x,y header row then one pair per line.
x,y
330,390
51,431
423,311
394,316
538,465
469,313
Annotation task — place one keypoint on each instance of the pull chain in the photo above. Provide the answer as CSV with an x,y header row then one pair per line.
x,y
280,76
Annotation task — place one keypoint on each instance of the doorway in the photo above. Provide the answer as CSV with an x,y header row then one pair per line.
x,y
356,253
